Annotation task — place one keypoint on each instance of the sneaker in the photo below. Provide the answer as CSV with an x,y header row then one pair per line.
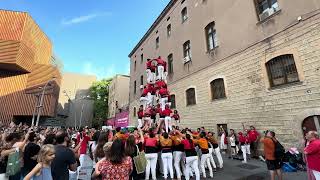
x,y
262,159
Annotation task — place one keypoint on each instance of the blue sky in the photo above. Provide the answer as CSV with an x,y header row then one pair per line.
x,y
92,36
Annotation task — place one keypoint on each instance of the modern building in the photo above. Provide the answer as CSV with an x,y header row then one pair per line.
x,y
75,106
26,70
231,62
118,99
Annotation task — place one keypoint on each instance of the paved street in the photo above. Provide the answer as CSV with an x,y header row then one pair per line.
x,y
254,170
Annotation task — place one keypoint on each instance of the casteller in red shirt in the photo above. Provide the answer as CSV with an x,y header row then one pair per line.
x,y
253,135
145,92
163,92
84,142
167,111
160,61
160,84
150,66
243,139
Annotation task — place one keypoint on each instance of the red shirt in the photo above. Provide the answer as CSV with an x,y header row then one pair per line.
x,y
313,154
175,116
150,66
163,92
151,89
140,114
167,112
84,141
145,92
160,84
253,135
243,139
160,62
150,142
148,112
187,145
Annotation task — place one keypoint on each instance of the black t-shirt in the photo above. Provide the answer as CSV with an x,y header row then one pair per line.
x,y
30,150
60,164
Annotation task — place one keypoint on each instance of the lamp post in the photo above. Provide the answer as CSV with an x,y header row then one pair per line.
x,y
41,100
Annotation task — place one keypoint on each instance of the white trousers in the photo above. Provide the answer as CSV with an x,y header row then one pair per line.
x,y
163,102
167,122
211,158
219,157
161,73
177,155
205,158
147,100
151,164
3,176
245,150
192,163
150,76
139,123
316,174
167,164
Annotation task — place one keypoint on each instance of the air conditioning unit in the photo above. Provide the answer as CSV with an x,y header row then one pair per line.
x,y
266,13
186,59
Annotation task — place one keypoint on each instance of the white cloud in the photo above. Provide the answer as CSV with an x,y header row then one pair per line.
x,y
99,72
84,18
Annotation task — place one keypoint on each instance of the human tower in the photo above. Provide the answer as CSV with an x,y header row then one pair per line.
x,y
155,97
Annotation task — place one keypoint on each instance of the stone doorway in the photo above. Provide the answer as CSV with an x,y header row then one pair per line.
x,y
311,123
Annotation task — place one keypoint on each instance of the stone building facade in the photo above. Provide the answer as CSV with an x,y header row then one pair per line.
x,y
118,99
262,69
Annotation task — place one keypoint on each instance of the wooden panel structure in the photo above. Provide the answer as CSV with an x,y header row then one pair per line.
x,y
25,53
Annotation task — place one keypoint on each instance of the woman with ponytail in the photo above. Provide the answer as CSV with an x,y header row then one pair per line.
x,y
191,157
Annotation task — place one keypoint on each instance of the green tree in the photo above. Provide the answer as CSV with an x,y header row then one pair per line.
x,y
99,92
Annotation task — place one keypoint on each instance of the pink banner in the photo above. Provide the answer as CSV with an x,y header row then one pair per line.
x,y
121,120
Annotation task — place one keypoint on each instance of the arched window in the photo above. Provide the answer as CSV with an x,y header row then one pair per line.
x,y
184,14
211,36
191,96
217,89
282,70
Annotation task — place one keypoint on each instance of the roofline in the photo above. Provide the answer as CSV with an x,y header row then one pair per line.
x,y
155,23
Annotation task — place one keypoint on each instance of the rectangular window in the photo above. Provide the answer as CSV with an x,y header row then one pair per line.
x,y
173,101
135,65
184,14
266,8
282,70
141,58
211,36
217,89
135,87
141,80
170,64
187,50
169,30
157,42
191,96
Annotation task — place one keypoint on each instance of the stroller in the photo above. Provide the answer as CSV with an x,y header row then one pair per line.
x,y
294,159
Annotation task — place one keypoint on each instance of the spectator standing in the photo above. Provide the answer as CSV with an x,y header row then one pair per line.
x,y
64,158
43,168
273,164
116,165
30,154
312,152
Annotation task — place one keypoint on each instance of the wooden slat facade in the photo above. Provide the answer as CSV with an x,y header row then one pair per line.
x,y
25,53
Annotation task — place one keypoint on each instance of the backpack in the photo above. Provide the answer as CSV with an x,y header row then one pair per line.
x,y
279,151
